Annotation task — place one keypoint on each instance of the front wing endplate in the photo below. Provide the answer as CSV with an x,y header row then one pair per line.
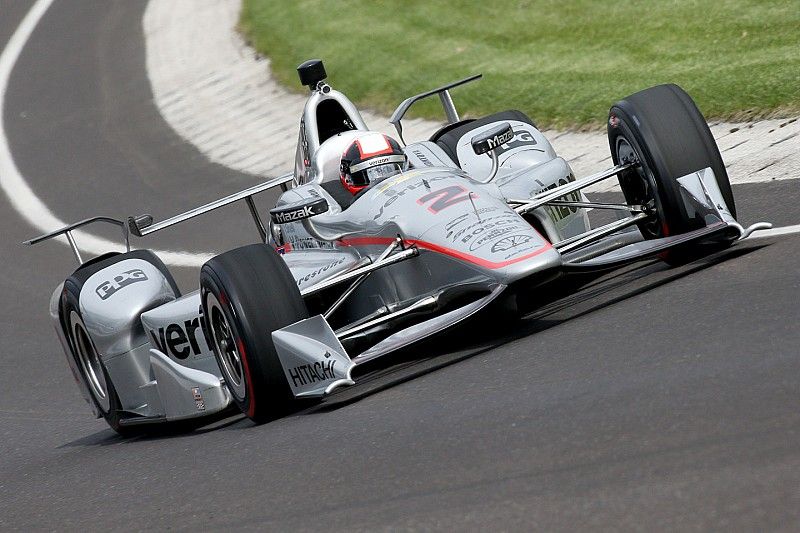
x,y
313,359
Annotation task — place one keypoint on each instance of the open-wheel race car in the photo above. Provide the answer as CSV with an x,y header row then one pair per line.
x,y
373,246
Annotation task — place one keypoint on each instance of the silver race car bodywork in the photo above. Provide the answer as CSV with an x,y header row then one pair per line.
x,y
150,343
410,256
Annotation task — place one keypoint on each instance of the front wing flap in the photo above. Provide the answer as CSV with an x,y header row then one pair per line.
x,y
702,199
315,362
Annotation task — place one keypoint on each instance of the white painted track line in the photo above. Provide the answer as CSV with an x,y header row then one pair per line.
x,y
22,197
775,232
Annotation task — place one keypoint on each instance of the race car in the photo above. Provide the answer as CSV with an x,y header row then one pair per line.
x,y
373,246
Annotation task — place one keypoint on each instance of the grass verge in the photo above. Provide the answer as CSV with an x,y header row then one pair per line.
x,y
563,63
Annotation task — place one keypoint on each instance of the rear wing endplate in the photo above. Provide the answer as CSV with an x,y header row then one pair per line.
x,y
67,231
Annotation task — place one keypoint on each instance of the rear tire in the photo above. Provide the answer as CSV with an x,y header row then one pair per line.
x,y
92,370
663,130
248,293
91,367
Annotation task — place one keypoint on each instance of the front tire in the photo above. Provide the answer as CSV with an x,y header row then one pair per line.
x,y
662,129
248,293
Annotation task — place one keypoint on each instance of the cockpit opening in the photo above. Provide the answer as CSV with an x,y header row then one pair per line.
x,y
332,119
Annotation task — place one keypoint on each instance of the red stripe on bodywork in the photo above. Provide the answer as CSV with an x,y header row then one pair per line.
x,y
285,249
376,241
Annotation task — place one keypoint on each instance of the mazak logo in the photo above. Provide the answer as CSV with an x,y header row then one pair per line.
x,y
297,214
499,140
311,207
107,289
507,243
521,138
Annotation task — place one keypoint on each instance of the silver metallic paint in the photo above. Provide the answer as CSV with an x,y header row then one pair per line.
x,y
114,322
309,132
307,344
176,384
179,311
130,372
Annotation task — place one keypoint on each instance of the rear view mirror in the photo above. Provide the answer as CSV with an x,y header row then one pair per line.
x,y
308,207
490,139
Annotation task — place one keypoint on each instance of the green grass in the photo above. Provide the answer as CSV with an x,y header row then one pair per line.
x,y
563,62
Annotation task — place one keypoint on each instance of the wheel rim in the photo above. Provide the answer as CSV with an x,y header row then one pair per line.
x,y
89,361
641,188
226,348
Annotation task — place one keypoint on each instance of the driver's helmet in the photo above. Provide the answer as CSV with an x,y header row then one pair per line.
x,y
370,158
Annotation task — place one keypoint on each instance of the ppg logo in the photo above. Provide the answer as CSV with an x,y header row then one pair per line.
x,y
106,289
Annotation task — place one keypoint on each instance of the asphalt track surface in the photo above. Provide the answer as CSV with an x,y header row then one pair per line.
x,y
653,398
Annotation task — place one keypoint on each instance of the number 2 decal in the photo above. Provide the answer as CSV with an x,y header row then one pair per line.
x,y
444,198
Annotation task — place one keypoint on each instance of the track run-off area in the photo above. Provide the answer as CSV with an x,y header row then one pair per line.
x,y
651,398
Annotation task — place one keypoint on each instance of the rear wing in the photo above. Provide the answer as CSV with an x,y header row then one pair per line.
x,y
67,231
444,96
143,224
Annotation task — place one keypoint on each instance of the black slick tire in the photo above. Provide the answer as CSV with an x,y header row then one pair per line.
x,y
662,129
92,371
94,376
246,294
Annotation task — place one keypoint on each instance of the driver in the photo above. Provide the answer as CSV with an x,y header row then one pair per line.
x,y
370,158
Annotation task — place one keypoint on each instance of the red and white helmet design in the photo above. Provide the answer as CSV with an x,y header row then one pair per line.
x,y
370,158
